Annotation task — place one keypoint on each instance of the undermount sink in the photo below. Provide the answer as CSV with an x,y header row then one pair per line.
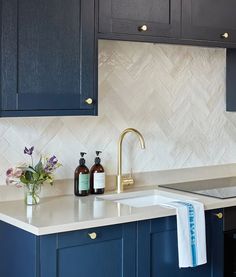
x,y
145,198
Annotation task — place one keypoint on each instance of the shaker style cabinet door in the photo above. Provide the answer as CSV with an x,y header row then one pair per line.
x,y
140,17
48,57
210,20
158,250
96,252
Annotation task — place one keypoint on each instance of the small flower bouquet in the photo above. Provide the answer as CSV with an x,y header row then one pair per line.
x,y
33,176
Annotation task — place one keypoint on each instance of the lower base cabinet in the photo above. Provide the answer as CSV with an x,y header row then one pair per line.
x,y
140,249
98,252
157,250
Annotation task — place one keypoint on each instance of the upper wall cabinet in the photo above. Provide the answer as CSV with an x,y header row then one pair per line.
x,y
209,20
153,18
48,58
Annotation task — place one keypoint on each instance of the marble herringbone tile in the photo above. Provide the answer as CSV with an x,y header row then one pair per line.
x,y
175,95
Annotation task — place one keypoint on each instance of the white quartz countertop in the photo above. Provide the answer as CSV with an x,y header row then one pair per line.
x,y
69,213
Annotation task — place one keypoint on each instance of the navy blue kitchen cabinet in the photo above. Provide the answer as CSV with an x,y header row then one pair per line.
x,y
97,252
48,58
157,252
140,249
209,20
194,22
19,255
139,18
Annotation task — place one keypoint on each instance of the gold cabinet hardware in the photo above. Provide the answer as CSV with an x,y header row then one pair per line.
x,y
225,35
92,235
219,215
143,28
89,101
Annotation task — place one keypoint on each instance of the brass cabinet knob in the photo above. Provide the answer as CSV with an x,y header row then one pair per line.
x,y
89,101
143,28
92,235
225,35
219,215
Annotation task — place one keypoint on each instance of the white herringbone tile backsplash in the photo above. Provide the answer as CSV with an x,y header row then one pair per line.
x,y
175,95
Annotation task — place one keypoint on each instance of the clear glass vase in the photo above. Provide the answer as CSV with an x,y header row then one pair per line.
x,y
32,193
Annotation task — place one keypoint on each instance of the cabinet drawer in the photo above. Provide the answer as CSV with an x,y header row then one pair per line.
x,y
88,236
135,28
140,17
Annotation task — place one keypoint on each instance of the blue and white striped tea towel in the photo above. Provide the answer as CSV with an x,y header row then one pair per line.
x,y
191,232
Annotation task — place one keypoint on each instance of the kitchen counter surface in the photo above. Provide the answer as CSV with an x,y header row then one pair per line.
x,y
68,213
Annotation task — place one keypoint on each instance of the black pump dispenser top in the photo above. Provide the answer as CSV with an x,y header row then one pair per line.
x,y
97,159
82,160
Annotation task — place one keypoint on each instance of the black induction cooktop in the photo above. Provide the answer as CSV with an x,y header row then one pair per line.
x,y
222,188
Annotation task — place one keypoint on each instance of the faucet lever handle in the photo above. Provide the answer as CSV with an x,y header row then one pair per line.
x,y
128,181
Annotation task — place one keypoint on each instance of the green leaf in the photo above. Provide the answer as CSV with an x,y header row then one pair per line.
x,y
28,175
30,169
24,180
39,166
35,176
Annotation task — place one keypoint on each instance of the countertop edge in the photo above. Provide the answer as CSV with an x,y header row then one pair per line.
x,y
20,224
40,231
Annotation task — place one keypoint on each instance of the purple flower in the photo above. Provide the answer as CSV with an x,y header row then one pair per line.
x,y
53,160
51,164
48,169
29,151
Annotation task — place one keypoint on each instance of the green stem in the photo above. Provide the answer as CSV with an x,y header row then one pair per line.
x,y
33,191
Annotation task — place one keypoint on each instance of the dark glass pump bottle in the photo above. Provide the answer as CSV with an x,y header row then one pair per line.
x,y
81,178
97,176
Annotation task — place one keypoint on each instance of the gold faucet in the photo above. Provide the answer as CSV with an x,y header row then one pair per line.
x,y
122,180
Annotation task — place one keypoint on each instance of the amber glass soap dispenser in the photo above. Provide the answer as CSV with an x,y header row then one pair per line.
x,y
81,178
97,176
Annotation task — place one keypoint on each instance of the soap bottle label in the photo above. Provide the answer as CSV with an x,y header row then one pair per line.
x,y
99,180
84,182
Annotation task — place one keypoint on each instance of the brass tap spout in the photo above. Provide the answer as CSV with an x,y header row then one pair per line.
x,y
120,179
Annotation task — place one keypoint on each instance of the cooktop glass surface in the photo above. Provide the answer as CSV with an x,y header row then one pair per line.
x,y
218,188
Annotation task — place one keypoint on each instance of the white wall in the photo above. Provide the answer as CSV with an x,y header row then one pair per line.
x,y
175,95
